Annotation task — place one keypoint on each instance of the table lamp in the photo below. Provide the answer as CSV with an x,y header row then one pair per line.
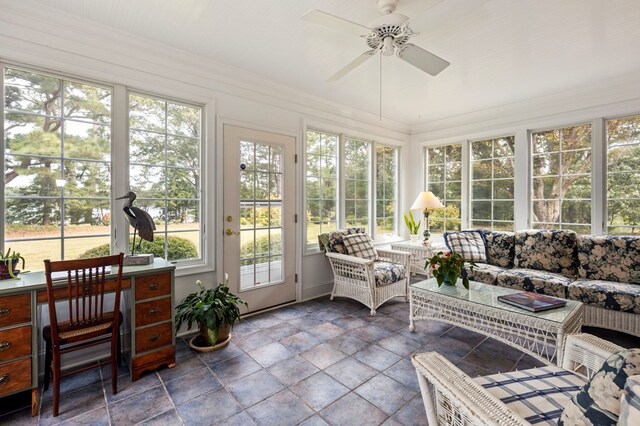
x,y
426,202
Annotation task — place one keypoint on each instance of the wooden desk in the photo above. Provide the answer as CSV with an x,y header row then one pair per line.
x,y
150,325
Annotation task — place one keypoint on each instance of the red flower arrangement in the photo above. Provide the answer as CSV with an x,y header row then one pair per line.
x,y
448,267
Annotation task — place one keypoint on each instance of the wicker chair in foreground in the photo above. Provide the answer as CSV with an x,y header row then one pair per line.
x,y
361,272
537,395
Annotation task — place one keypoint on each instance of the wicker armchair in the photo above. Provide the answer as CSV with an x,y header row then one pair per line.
x,y
452,398
366,280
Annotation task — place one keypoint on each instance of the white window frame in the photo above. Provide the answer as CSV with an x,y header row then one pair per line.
x,y
312,247
120,228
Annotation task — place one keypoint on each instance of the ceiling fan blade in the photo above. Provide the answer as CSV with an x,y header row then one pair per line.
x,y
335,22
420,58
351,66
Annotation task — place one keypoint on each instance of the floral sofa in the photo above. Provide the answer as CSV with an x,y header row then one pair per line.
x,y
603,272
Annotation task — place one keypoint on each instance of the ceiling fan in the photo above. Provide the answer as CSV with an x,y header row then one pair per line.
x,y
388,34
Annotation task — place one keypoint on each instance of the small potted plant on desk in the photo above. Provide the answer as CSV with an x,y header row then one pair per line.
x,y
448,267
8,263
412,225
215,311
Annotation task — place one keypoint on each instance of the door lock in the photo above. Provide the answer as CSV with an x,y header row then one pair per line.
x,y
229,232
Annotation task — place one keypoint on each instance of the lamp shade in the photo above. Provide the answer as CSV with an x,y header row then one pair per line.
x,y
426,200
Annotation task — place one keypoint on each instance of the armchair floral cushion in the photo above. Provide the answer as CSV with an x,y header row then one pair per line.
x,y
609,258
547,250
598,402
386,273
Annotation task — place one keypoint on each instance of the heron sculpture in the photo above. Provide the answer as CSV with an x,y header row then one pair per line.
x,y
140,220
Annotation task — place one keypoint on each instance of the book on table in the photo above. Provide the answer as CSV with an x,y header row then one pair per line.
x,y
533,302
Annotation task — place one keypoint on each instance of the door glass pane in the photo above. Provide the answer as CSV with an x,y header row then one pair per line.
x,y
261,247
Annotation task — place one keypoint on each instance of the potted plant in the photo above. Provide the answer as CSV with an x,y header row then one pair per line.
x,y
215,311
412,225
8,262
448,267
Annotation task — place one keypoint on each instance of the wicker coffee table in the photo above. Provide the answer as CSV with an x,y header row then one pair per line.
x,y
540,334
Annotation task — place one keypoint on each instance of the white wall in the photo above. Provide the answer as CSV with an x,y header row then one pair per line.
x,y
52,41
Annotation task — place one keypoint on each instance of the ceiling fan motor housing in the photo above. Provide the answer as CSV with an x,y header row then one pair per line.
x,y
392,25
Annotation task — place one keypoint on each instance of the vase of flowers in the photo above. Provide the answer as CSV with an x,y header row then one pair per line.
x,y
448,267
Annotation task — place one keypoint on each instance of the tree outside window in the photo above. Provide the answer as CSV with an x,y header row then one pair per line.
x,y
561,179
57,150
623,176
444,179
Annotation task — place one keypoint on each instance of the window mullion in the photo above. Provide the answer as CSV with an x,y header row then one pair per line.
x,y
340,196
120,167
598,178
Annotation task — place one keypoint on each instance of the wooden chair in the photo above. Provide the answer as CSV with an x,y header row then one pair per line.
x,y
89,322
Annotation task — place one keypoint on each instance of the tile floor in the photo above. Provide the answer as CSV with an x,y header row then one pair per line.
x,y
316,363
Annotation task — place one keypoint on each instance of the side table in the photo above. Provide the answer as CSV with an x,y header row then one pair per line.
x,y
419,253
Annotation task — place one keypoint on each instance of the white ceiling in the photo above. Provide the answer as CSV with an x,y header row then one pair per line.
x,y
501,51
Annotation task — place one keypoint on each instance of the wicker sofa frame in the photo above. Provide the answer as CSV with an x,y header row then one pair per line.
x,y
451,397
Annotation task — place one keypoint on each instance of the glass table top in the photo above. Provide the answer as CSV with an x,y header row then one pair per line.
x,y
487,295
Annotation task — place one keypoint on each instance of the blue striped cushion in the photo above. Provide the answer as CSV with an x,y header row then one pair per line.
x,y
538,395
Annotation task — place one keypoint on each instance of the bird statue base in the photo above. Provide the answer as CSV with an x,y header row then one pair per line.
x,y
137,259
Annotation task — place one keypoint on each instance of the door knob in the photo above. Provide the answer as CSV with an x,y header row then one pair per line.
x,y
229,231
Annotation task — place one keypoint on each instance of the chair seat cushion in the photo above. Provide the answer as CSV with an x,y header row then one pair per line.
x,y
630,404
598,402
606,294
386,273
69,333
484,273
538,395
542,282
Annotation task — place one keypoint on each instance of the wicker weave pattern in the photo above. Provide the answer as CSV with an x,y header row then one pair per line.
x,y
540,338
354,278
453,398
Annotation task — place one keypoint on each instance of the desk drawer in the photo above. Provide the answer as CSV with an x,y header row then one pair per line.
x,y
15,376
154,337
15,309
148,286
15,343
153,311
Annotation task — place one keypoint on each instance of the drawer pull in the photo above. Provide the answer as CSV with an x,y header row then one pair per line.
x,y
4,346
153,286
4,379
154,337
4,312
153,311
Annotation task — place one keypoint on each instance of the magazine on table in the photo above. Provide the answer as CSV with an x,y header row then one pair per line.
x,y
533,302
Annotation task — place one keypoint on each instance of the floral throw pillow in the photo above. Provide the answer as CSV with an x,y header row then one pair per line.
x,y
598,402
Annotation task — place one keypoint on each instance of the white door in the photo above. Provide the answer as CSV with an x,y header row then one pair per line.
x,y
259,216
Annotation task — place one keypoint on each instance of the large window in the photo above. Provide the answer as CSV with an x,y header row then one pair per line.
x,y
357,165
57,166
322,183
58,149
623,176
444,179
492,172
386,186
341,171
561,179
164,171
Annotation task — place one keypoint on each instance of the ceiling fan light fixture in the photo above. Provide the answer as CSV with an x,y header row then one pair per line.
x,y
387,46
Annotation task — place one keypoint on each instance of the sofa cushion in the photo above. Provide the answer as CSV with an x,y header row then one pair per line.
x,y
388,273
360,245
546,250
500,248
536,281
598,402
484,273
333,241
609,258
606,294
538,395
469,244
